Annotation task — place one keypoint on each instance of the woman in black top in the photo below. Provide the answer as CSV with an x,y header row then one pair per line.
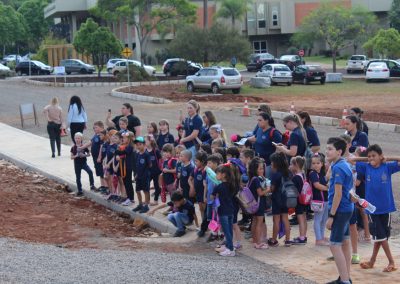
x,y
356,111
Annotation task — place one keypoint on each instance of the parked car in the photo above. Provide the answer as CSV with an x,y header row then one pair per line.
x,y
4,68
392,65
309,73
121,66
279,73
215,79
111,63
292,61
377,71
77,66
356,63
12,57
180,66
258,60
36,68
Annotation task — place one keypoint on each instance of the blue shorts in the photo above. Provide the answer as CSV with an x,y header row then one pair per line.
x,y
340,228
99,169
142,185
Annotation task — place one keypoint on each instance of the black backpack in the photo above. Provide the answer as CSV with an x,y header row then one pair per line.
x,y
289,192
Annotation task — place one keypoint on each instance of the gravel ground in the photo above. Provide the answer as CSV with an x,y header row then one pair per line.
x,y
27,263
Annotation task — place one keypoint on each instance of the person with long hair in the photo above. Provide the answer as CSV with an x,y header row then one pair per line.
x,y
54,117
311,133
77,117
193,126
209,120
356,111
358,138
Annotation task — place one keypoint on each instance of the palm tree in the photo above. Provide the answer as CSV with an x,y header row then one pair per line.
x,y
233,9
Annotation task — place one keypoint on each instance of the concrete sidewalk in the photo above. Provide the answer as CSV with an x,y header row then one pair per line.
x,y
32,152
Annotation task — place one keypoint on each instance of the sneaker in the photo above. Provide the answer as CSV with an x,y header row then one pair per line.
x,y
293,221
179,234
79,194
53,156
298,241
273,243
227,252
201,233
127,202
355,259
144,209
137,208
212,238
219,249
288,243
92,187
237,246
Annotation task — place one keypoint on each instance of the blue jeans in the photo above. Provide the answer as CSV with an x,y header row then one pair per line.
x,y
227,226
320,219
194,152
78,169
179,220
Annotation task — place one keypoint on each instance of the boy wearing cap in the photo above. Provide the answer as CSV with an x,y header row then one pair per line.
x,y
142,176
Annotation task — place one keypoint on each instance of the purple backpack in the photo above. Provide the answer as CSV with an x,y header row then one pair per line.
x,y
247,200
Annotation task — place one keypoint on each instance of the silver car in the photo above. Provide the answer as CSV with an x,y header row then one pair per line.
x,y
215,79
78,66
279,73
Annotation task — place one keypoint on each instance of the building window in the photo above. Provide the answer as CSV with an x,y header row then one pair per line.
x,y
275,17
251,19
260,46
261,16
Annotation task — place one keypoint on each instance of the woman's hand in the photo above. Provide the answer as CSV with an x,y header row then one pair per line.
x,y
329,223
280,148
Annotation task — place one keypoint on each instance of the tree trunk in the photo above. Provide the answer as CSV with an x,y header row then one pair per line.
x,y
205,16
334,60
355,47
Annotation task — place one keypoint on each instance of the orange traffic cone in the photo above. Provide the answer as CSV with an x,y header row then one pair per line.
x,y
292,109
63,133
344,115
246,110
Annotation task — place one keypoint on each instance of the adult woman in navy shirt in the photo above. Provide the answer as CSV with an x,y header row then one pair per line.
x,y
312,136
358,138
192,126
356,111
77,117
209,120
297,144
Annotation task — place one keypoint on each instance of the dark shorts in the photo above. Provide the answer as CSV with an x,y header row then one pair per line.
x,y
200,195
278,210
300,209
340,228
235,215
353,219
142,185
99,169
380,226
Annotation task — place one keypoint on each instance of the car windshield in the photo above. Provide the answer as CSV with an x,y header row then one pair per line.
x,y
286,57
315,68
230,72
281,68
79,61
357,57
38,63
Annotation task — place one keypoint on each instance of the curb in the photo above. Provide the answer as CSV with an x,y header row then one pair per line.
x,y
153,222
139,98
329,121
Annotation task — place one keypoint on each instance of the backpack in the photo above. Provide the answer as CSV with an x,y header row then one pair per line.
x,y
285,137
306,194
289,192
170,162
247,200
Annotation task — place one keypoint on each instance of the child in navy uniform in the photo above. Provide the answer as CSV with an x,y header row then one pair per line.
x,y
164,137
124,157
79,154
155,157
143,167
378,192
199,179
185,173
169,171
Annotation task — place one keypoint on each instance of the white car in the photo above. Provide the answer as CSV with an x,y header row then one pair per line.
x,y
357,63
111,63
279,73
4,68
121,66
12,57
377,71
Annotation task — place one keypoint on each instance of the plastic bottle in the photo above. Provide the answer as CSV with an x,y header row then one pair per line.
x,y
366,205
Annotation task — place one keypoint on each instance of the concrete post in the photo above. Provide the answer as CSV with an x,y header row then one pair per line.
x,y
73,26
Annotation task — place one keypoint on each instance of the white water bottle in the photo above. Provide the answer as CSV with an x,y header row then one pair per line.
x,y
366,205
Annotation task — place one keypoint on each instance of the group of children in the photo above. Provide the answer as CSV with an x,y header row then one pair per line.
x,y
217,177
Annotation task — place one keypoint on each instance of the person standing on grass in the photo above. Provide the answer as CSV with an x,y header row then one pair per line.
x,y
77,118
53,113
192,126
340,207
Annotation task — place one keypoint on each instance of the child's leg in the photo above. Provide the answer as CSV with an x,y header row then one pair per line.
x,y
128,186
121,187
324,219
202,207
364,217
103,182
275,229
139,195
317,226
87,169
354,239
237,235
254,229
301,218
157,189
340,259
386,248
78,168
285,220
147,197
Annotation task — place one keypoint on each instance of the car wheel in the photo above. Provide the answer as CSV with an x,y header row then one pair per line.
x,y
214,88
236,91
348,71
305,81
109,70
190,87
19,73
289,83
322,82
83,71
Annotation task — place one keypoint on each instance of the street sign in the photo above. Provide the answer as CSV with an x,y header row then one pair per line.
x,y
59,70
126,52
301,52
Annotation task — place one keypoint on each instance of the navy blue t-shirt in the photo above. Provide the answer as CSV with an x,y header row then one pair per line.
x,y
95,148
205,135
312,137
111,151
276,182
298,182
143,165
169,178
185,173
155,157
194,123
263,145
315,177
126,155
104,150
163,139
199,177
255,183
360,139
226,207
296,139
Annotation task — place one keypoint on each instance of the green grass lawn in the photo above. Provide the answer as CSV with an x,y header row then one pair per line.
x,y
340,63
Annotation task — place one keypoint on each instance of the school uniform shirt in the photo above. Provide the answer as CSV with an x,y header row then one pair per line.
x,y
143,165
360,139
205,134
79,160
74,116
298,182
133,121
187,208
95,148
263,145
191,124
155,157
255,183
276,182
111,151
296,139
378,185
199,176
168,177
315,177
163,139
126,156
185,173
342,175
104,150
312,137
226,207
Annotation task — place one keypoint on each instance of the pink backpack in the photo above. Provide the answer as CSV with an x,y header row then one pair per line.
x,y
305,195
247,200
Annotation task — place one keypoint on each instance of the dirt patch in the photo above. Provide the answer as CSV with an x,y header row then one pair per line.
x,y
95,79
36,209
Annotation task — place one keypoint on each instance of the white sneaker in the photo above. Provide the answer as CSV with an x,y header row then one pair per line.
x,y
227,252
127,202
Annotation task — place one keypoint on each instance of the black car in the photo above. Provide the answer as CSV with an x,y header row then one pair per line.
x,y
37,68
393,66
258,60
309,73
292,61
179,66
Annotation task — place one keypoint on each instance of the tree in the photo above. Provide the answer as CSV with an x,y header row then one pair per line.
x,y
98,42
12,27
386,43
219,43
394,15
369,26
233,9
336,25
148,16
37,26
